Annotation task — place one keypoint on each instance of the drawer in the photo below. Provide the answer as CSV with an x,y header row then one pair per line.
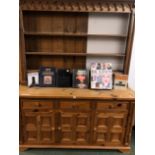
x,y
33,104
100,105
74,105
82,105
66,104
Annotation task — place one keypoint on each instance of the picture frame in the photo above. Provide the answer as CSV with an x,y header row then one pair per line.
x,y
47,77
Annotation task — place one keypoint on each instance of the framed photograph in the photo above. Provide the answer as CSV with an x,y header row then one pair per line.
x,y
101,76
32,79
47,77
64,78
80,78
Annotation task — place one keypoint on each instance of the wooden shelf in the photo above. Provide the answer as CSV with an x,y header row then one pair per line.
x,y
73,34
77,54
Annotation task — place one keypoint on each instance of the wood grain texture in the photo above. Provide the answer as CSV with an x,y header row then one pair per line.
x,y
54,33
64,123
37,92
99,6
22,57
129,42
56,23
77,54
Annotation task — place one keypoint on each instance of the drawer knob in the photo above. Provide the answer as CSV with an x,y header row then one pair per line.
x,y
59,128
110,106
35,110
74,97
119,105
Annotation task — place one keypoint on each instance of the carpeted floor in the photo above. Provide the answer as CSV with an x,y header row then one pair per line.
x,y
78,152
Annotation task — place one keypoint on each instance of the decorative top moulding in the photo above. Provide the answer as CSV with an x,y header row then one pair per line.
x,y
116,6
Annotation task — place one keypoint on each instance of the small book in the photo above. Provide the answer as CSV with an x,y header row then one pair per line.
x,y
47,77
120,81
80,78
64,78
32,79
101,76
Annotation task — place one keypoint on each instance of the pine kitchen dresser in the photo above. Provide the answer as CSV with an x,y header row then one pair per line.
x,y
72,34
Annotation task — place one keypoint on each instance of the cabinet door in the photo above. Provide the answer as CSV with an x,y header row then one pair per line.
x,y
38,128
74,128
109,128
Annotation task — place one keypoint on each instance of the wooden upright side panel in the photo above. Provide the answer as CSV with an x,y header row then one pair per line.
x,y
22,59
129,42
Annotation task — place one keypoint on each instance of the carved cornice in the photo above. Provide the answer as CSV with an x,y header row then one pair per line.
x,y
117,6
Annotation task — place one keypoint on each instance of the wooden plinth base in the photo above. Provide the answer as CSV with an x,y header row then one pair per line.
x,y
22,149
121,149
124,150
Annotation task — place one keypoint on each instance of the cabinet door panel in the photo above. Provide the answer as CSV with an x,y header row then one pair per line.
x,y
117,128
74,128
109,128
82,128
47,128
38,128
30,128
66,128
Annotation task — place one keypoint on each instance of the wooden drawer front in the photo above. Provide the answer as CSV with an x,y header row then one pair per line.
x,y
111,105
74,105
66,105
35,104
82,105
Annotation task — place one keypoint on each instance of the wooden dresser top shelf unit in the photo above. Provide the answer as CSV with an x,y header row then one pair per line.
x,y
75,93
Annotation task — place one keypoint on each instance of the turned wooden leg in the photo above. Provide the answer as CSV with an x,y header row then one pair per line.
x,y
124,150
22,149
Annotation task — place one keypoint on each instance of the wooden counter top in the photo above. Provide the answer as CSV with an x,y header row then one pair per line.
x,y
74,93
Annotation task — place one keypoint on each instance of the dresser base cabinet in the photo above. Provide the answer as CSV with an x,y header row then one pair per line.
x,y
75,123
